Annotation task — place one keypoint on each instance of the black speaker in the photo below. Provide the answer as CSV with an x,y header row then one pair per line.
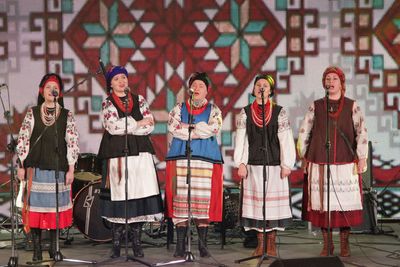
x,y
370,218
367,177
230,214
309,262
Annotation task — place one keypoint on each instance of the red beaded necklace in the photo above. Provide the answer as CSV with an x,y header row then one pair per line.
x,y
256,113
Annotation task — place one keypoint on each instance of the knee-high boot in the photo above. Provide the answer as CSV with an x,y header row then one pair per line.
x,y
53,245
136,229
344,242
180,241
258,251
202,231
37,244
324,251
117,230
271,245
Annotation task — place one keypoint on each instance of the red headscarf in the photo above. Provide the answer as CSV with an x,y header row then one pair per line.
x,y
339,72
51,79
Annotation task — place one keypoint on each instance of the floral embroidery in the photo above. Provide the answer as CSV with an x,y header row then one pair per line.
x,y
283,121
72,138
25,135
241,120
116,125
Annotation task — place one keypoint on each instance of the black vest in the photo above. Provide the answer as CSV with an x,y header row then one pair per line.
x,y
254,135
112,146
42,155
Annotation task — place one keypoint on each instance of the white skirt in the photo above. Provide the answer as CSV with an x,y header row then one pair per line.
x,y
277,204
142,177
344,187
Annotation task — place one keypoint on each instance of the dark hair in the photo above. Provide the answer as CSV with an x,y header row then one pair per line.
x,y
269,79
46,77
202,76
114,70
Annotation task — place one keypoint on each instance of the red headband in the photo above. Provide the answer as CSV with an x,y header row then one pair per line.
x,y
51,79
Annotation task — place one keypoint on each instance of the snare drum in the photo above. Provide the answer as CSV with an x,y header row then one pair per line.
x,y
87,170
86,214
88,163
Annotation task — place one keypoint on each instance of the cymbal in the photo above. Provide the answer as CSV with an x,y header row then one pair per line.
x,y
87,176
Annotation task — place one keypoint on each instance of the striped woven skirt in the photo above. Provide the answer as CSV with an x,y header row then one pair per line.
x,y
206,190
40,200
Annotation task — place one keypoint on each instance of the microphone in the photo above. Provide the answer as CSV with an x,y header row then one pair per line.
x,y
3,86
191,91
327,86
262,89
127,90
103,69
54,93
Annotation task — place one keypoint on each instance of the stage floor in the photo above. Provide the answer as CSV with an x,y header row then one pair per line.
x,y
296,242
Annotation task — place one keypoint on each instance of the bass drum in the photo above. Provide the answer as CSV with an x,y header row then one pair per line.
x,y
86,214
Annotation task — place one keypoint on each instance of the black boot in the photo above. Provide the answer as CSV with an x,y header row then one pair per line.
x,y
180,241
37,244
136,229
202,231
117,231
52,248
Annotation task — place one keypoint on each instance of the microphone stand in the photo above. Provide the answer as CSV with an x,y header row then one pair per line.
x,y
328,170
126,151
58,257
11,147
89,75
189,257
264,149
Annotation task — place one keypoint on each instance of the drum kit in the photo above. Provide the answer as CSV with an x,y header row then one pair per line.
x,y
85,198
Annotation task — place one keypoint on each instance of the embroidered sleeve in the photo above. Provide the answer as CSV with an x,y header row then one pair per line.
x,y
112,122
24,136
175,124
206,130
286,141
145,111
305,131
72,138
241,152
361,132
283,121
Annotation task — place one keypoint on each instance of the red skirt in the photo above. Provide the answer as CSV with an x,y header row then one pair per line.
x,y
320,218
215,209
47,220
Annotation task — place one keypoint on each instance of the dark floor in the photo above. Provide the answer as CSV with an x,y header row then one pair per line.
x,y
296,242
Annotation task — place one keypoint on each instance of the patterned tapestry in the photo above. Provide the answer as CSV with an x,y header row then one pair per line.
x,y
162,42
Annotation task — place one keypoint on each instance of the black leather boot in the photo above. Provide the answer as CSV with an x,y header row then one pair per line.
x,y
52,248
180,241
136,229
37,244
117,232
202,231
